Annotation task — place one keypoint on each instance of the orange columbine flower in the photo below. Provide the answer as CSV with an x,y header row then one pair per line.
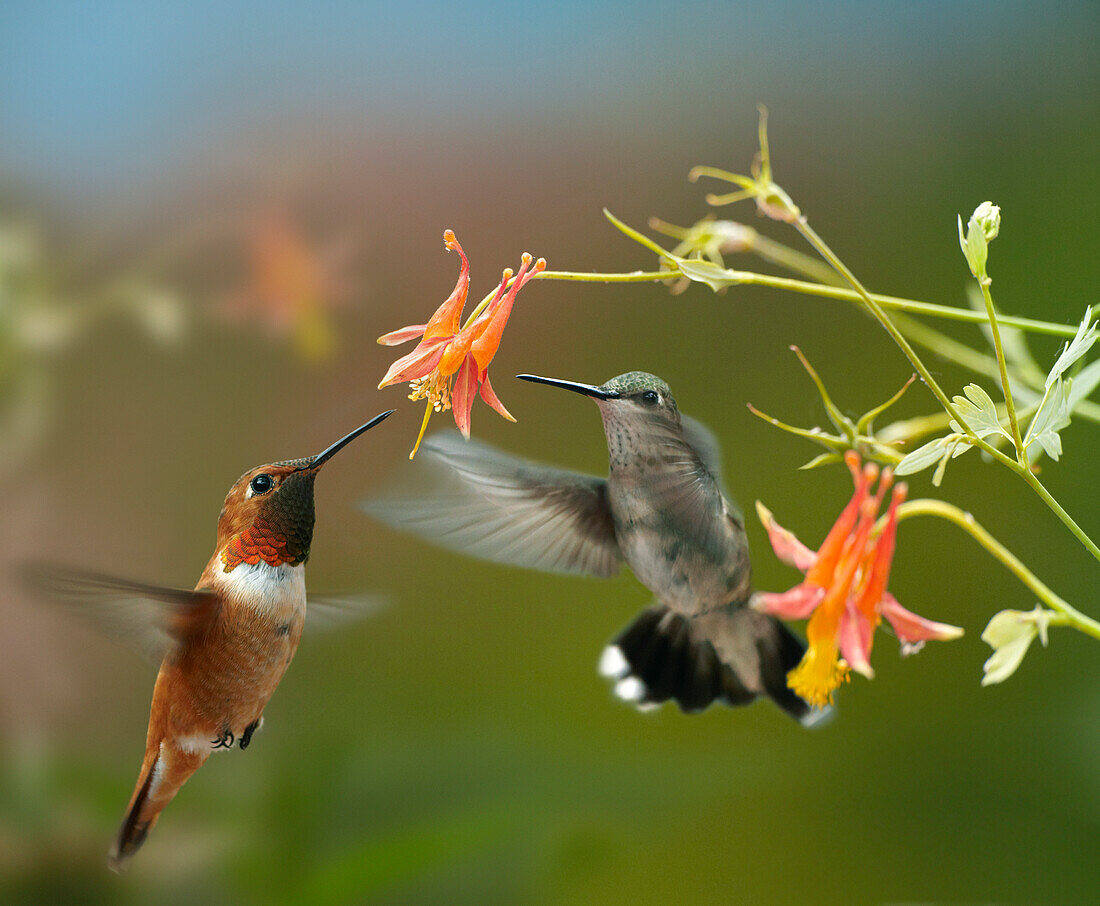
x,y
844,590
450,365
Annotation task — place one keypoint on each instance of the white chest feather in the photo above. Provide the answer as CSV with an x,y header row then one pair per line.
x,y
276,591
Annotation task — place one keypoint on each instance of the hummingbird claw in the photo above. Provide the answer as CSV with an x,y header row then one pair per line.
x,y
246,737
225,741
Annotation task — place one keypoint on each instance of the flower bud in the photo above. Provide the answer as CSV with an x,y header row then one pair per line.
x,y
987,216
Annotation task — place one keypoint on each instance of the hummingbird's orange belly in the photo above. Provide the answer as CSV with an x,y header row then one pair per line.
x,y
224,683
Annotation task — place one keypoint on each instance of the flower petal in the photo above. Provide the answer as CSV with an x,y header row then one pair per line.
x,y
794,604
490,398
912,628
403,335
488,340
855,637
419,363
786,546
462,396
878,572
821,573
448,317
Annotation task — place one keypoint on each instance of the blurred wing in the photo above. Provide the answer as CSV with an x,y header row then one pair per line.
x,y
153,617
327,612
475,499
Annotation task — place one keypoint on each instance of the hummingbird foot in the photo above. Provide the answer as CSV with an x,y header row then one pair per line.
x,y
225,741
246,737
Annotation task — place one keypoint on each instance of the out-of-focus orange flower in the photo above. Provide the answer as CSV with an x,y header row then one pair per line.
x,y
450,365
291,286
844,590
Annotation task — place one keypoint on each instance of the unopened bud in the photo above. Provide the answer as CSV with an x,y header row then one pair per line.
x,y
987,216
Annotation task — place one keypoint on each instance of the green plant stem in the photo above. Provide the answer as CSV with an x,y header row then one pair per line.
x,y
931,339
1017,439
1019,468
965,521
802,225
1032,479
752,278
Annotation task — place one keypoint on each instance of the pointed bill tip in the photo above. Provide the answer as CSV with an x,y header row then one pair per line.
x,y
583,389
325,455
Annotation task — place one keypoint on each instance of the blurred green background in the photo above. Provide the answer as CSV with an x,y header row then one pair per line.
x,y
210,211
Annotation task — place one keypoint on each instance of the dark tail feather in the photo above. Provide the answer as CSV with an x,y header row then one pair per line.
x,y
134,829
165,769
732,656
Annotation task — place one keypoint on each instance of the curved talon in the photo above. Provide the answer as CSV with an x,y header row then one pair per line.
x,y
225,741
246,737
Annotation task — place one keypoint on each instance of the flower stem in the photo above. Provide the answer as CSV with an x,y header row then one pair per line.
x,y
965,521
805,287
1021,450
802,225
1016,466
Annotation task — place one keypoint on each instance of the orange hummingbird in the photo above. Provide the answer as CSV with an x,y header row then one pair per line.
x,y
230,639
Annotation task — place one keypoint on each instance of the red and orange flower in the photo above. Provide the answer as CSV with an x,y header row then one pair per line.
x,y
844,590
450,365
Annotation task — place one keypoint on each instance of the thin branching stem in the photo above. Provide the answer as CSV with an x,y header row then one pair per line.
x,y
1023,471
1017,439
965,521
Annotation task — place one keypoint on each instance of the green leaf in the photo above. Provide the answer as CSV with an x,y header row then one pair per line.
x,y
979,411
822,459
1073,350
948,453
707,272
1052,417
1010,634
922,457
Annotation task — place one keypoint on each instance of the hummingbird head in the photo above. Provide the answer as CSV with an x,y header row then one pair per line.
x,y
268,513
636,394
638,411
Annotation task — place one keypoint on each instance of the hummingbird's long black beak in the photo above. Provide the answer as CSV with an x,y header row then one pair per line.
x,y
321,458
584,389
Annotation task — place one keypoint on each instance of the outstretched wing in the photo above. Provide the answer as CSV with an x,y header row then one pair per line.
x,y
155,618
475,499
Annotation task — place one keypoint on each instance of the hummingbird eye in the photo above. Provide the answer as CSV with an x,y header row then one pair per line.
x,y
651,397
261,484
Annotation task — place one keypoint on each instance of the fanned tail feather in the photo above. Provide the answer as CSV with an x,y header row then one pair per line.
x,y
732,656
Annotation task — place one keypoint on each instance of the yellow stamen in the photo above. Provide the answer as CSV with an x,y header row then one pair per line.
x,y
818,674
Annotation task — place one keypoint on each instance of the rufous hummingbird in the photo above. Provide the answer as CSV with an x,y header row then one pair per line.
x,y
230,639
662,510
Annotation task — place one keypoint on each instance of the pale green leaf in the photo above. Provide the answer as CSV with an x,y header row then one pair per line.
x,y
1052,417
707,272
937,476
822,459
1010,633
921,458
1073,350
979,411
1004,660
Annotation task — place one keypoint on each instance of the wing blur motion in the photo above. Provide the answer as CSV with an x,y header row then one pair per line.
x,y
480,501
153,617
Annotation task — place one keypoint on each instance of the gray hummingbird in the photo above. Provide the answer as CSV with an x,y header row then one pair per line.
x,y
662,510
